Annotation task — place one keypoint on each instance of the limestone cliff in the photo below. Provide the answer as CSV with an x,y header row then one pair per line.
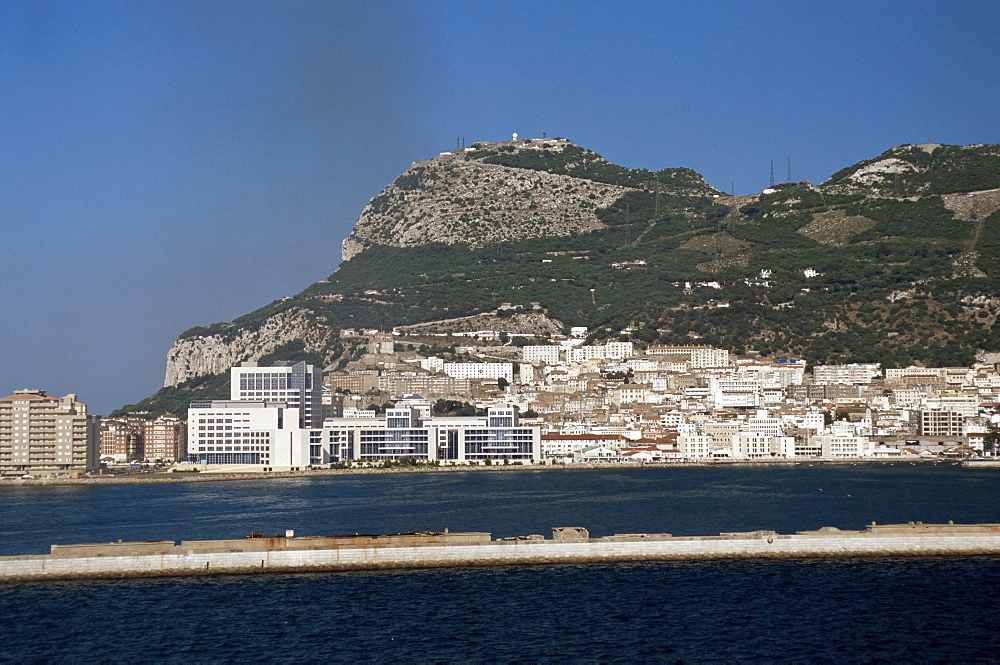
x,y
201,355
454,198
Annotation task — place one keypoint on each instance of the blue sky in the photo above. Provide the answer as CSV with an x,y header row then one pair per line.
x,y
171,164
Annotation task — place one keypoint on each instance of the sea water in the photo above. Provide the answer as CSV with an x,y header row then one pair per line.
x,y
872,609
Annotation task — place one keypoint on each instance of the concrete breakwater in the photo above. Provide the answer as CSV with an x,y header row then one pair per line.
x,y
257,554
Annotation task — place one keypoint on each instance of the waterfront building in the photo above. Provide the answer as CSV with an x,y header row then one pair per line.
x,y
165,439
834,446
407,431
562,445
269,433
46,435
755,445
947,415
246,433
121,438
695,446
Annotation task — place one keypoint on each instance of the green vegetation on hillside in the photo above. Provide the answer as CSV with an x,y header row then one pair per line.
x,y
579,162
886,287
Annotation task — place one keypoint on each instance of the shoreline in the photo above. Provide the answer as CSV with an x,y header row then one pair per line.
x,y
222,476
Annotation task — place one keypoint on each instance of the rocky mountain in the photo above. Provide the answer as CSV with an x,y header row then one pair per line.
x,y
895,259
509,191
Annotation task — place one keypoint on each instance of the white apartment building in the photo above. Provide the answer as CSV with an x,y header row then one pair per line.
x,y
697,356
851,374
548,354
735,393
298,385
629,393
763,424
779,375
480,371
696,446
834,446
245,433
608,351
46,435
432,364
753,445
812,420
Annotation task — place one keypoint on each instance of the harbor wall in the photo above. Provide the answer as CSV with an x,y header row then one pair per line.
x,y
527,551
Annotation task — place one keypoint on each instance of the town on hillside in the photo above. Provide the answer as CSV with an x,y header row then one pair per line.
x,y
491,398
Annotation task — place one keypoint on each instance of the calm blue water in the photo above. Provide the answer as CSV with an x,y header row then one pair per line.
x,y
909,610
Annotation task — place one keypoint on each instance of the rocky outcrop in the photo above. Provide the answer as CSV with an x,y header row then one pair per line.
x,y
973,206
454,199
200,355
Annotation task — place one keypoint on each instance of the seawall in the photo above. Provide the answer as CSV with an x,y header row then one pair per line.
x,y
256,555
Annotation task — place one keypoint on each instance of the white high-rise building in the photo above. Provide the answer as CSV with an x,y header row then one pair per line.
x,y
296,384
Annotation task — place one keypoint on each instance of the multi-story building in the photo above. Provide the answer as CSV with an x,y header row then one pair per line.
x,y
165,439
833,446
548,354
480,371
407,431
629,393
611,350
247,432
697,356
46,435
358,382
122,438
851,374
268,433
735,393
756,445
695,446
298,385
946,416
436,385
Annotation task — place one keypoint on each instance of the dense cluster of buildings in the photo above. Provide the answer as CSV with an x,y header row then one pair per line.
x,y
563,402
288,424
615,402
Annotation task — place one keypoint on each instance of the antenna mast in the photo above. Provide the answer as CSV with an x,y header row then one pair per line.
x,y
772,174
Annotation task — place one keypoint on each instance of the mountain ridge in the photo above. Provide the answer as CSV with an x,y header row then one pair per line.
x,y
893,259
